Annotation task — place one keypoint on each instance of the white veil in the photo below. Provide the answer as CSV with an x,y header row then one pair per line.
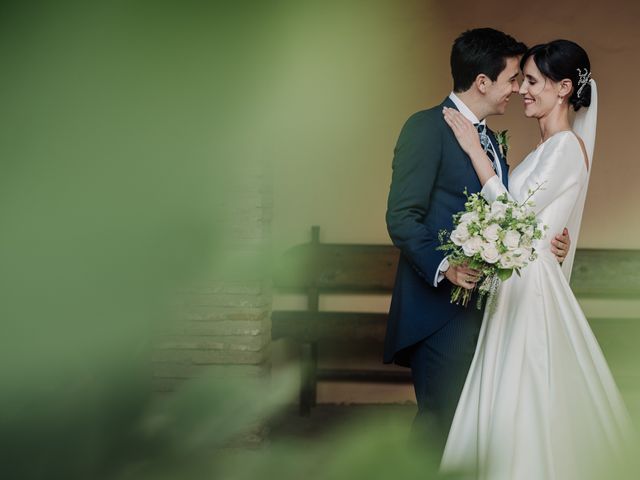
x,y
584,125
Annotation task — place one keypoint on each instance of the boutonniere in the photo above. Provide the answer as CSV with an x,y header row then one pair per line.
x,y
503,142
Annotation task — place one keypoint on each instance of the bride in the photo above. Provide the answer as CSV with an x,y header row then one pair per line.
x,y
539,401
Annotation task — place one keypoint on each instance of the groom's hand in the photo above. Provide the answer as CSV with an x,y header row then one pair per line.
x,y
560,245
462,276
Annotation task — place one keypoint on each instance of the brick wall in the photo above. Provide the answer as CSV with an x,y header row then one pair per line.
x,y
223,324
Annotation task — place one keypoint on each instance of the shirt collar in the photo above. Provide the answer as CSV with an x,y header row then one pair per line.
x,y
464,110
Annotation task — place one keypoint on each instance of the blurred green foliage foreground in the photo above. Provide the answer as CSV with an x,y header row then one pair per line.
x,y
122,123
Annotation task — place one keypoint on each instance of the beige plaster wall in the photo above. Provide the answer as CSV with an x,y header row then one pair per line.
x,y
349,75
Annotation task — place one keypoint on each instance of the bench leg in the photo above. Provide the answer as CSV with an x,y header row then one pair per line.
x,y
313,374
306,388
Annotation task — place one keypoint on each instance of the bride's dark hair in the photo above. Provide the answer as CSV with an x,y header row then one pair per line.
x,y
561,59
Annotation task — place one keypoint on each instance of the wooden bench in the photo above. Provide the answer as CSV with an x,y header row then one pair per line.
x,y
316,268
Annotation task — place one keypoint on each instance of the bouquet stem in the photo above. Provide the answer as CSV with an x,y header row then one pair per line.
x,y
461,295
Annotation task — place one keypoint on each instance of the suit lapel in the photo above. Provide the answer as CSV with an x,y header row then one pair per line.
x,y
447,102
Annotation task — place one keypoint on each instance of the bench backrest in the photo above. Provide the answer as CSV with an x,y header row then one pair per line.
x,y
334,267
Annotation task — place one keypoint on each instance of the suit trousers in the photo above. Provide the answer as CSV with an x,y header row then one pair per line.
x,y
439,366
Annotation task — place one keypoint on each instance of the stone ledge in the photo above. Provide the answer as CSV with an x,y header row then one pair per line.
x,y
210,357
213,314
181,371
218,328
239,343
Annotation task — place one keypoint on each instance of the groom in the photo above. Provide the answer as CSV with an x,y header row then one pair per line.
x,y
425,331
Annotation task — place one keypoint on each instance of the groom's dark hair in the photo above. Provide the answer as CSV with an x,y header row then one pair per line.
x,y
481,50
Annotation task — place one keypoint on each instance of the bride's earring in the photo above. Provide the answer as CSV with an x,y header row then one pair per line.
x,y
560,100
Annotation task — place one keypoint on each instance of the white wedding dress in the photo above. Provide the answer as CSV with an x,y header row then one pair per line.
x,y
539,401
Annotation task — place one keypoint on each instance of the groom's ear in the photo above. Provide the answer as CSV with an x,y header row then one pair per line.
x,y
482,82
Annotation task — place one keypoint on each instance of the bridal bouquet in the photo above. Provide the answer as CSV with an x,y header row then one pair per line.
x,y
495,239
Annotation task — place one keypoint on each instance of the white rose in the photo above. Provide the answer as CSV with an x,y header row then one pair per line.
x,y
520,257
460,234
525,241
491,232
472,246
498,210
519,213
506,261
511,239
469,217
490,253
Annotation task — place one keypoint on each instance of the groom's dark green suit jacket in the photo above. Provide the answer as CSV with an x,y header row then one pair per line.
x,y
430,175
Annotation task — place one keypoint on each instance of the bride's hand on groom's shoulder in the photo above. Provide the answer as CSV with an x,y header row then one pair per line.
x,y
462,276
463,129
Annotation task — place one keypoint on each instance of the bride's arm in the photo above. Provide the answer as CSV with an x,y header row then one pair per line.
x,y
469,141
561,169
492,186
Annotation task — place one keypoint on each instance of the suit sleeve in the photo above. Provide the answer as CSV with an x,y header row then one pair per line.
x,y
416,162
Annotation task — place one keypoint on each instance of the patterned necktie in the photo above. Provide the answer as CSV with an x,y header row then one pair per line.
x,y
486,143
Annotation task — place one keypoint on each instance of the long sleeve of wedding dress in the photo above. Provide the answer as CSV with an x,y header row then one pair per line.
x,y
554,175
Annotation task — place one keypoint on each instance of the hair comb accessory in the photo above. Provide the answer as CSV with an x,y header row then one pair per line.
x,y
583,79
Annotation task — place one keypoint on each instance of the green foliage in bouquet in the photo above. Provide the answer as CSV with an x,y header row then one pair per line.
x,y
496,239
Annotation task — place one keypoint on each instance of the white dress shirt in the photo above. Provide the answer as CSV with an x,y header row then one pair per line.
x,y
464,110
